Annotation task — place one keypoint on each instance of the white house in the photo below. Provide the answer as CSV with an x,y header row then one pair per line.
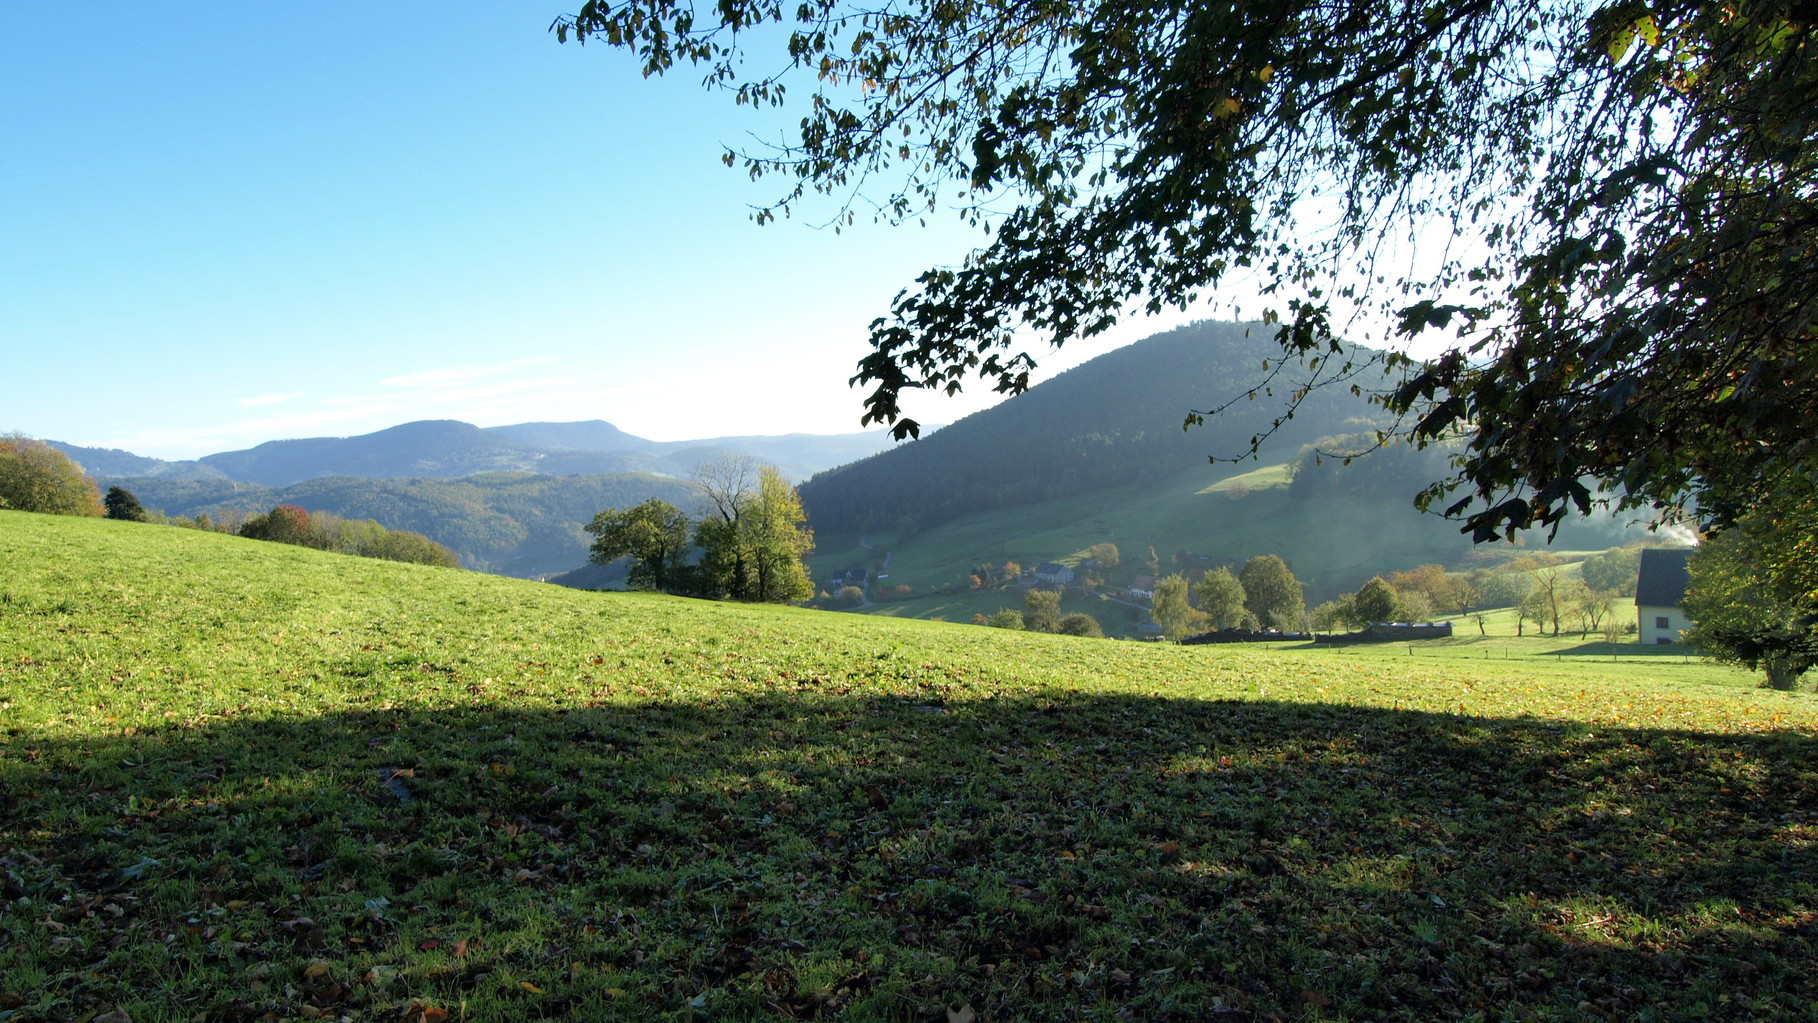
x,y
1053,574
1659,592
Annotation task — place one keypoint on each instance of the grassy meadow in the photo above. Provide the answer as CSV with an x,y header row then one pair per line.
x,y
1228,512
241,781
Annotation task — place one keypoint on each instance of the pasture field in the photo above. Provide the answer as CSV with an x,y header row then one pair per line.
x,y
242,781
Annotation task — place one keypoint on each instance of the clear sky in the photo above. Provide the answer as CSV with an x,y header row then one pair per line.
x,y
222,224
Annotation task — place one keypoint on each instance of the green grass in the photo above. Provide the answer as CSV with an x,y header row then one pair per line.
x,y
1117,619
241,781
1202,510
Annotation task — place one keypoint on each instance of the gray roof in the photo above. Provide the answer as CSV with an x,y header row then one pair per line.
x,y
1662,582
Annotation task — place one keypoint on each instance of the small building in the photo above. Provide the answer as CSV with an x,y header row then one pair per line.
x,y
1143,587
1053,573
850,577
1658,593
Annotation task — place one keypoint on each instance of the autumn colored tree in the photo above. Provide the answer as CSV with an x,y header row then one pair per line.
x,y
36,477
1105,556
775,530
287,523
755,539
1172,611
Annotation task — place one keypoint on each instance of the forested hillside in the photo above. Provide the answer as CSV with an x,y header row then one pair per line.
x,y
519,524
115,462
1112,422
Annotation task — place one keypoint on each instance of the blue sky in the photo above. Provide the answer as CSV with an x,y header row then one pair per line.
x,y
229,223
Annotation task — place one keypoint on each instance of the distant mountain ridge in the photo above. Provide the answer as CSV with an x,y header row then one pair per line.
x,y
450,449
100,462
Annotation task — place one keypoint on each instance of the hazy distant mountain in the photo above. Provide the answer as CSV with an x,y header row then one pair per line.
x,y
592,435
114,462
447,449
441,448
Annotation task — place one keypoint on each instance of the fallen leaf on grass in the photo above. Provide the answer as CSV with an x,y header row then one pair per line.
x,y
963,1014
115,1015
528,986
306,931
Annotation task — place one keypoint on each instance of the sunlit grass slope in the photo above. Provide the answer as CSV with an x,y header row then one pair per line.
x,y
1229,513
242,781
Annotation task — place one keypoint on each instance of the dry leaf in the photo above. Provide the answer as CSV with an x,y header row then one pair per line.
x,y
115,1015
963,1014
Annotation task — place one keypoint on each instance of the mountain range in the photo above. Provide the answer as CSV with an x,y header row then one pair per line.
x,y
1096,454
447,449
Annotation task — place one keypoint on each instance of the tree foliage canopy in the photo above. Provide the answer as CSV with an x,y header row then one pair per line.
x,y
1752,592
36,477
121,504
1619,198
1271,593
654,534
1173,612
1221,597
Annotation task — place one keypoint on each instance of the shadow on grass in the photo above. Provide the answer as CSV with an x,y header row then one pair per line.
x,y
791,854
1625,651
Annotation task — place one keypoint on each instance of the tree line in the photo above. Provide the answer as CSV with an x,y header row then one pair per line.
x,y
749,543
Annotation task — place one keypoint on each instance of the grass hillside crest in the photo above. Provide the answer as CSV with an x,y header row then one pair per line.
x,y
245,781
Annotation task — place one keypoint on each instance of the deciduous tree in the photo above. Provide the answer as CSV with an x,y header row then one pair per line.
x,y
653,534
755,539
1614,571
1172,611
286,523
1375,601
1751,597
1105,556
36,477
1271,593
1041,610
776,529
121,504
1221,597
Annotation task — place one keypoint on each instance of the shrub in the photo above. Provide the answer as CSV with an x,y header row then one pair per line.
x,y
1080,624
